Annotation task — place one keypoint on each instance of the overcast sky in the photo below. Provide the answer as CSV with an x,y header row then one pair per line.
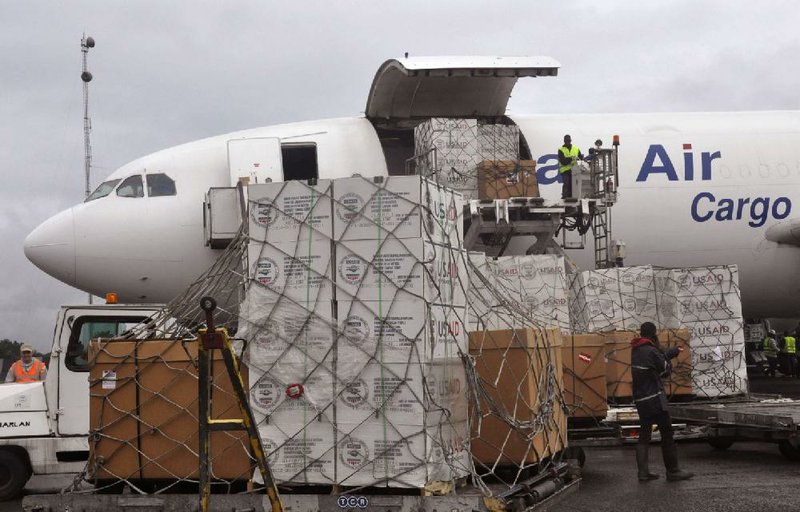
x,y
170,72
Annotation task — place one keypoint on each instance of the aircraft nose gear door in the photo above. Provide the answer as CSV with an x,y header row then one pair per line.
x,y
256,160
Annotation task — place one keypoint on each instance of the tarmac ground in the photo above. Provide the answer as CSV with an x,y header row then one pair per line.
x,y
749,476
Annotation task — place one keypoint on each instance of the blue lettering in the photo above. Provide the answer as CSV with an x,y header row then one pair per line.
x,y
759,211
706,159
725,211
742,201
688,166
702,195
787,209
649,167
541,172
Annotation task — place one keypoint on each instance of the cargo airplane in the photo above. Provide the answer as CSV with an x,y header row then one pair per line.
x,y
695,188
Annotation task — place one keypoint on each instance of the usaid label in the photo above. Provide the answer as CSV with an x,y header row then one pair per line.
x,y
663,166
353,452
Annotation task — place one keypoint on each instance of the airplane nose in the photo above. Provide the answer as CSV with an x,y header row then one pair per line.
x,y
51,246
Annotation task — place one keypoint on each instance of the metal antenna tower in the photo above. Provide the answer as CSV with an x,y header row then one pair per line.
x,y
86,43
86,77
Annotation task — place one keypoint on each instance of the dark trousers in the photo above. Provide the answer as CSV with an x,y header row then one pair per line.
x,y
566,188
783,363
664,422
668,449
791,362
773,365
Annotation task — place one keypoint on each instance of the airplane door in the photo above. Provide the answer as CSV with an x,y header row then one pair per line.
x,y
258,160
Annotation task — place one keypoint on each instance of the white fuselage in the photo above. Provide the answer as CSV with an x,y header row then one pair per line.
x,y
695,189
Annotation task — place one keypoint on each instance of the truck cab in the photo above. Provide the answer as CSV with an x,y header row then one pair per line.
x,y
44,426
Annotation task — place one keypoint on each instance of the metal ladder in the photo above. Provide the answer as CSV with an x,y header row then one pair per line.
x,y
211,339
604,179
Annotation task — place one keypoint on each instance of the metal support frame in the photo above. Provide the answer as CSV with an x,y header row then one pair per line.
x,y
493,222
211,339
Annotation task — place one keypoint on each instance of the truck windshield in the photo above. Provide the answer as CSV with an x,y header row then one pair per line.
x,y
103,190
89,328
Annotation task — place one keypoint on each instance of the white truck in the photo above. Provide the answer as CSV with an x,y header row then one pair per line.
x,y
44,426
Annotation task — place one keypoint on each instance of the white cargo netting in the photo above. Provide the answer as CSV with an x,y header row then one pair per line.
x,y
479,160
699,306
380,353
351,298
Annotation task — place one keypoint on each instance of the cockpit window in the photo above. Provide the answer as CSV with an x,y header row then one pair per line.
x,y
160,185
131,187
103,190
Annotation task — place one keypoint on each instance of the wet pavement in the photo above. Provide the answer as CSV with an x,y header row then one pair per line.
x,y
748,477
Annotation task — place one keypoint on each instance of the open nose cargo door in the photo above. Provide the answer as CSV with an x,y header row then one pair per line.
x,y
422,87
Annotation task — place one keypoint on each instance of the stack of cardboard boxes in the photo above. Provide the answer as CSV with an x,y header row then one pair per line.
x,y
355,321
520,372
144,413
479,160
517,291
700,305
613,299
706,301
287,317
401,308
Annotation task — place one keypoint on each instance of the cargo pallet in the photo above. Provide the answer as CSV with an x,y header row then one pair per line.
x,y
535,493
764,418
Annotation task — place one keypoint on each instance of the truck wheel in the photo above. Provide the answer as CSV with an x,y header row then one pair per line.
x,y
14,474
720,443
790,449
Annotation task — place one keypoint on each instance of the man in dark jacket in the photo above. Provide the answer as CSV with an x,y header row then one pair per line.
x,y
648,365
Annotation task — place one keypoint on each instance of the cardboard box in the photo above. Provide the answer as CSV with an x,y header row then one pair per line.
x,y
679,381
448,332
503,179
298,271
397,207
543,290
403,331
453,153
287,332
147,414
395,332
714,375
618,363
511,365
404,394
619,380
718,360
291,395
698,294
302,457
615,299
290,211
498,142
375,271
389,455
585,375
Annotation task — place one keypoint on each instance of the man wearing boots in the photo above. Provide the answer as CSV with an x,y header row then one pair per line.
x,y
648,365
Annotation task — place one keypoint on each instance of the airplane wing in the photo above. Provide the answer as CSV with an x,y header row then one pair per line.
x,y
786,232
417,87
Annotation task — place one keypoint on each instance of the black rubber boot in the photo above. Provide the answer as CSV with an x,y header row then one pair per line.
x,y
642,456
670,452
